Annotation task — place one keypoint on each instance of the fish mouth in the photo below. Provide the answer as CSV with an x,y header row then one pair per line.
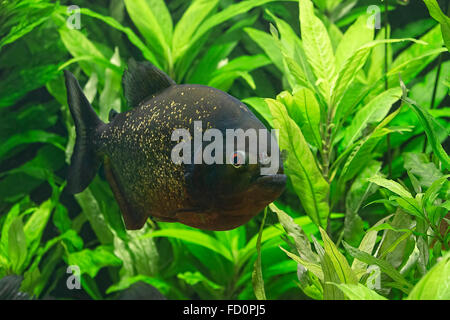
x,y
276,182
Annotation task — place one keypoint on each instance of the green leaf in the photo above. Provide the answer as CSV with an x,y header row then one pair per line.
x,y
305,111
134,39
31,136
193,236
266,43
372,112
439,16
79,45
367,244
435,285
385,266
357,35
314,268
149,17
353,65
340,264
260,106
432,127
317,46
292,229
189,23
391,185
419,165
257,277
91,261
358,193
126,282
358,292
307,180
91,210
17,245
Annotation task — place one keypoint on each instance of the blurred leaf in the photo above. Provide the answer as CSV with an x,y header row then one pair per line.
x,y
186,28
435,285
439,16
90,208
91,261
126,282
193,236
17,245
149,17
32,136
134,39
419,165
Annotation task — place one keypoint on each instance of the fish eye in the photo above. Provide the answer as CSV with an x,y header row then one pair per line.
x,y
237,159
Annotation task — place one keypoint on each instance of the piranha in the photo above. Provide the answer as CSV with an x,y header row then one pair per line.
x,y
135,148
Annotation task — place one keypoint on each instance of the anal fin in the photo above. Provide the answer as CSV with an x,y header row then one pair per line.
x,y
133,220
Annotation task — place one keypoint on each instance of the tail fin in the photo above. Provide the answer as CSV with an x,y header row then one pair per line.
x,y
84,162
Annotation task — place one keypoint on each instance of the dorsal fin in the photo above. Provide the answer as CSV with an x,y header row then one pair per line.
x,y
142,80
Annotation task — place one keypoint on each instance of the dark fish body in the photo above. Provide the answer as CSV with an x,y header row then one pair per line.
x,y
136,148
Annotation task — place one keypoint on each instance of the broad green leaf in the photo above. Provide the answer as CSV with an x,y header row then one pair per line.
x,y
17,245
147,16
357,35
193,236
435,285
79,45
385,266
292,229
91,261
358,292
35,225
305,111
317,46
432,192
307,180
439,16
374,111
257,277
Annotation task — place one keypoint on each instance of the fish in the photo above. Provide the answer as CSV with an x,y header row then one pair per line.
x,y
136,149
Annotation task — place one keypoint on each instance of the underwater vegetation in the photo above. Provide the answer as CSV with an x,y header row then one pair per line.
x,y
358,91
